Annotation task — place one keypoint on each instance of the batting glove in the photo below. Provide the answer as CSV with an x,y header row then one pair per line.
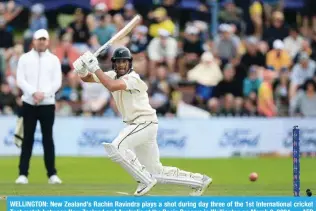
x,y
80,68
90,61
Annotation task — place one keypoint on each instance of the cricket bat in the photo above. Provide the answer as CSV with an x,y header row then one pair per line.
x,y
120,35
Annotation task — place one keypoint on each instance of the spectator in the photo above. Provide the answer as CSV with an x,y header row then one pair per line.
x,y
139,39
63,108
162,49
229,85
66,53
293,42
13,61
213,106
6,40
228,107
37,21
281,89
305,48
94,98
160,91
253,56
65,92
105,30
239,106
119,23
270,6
241,71
94,19
252,82
203,29
71,92
138,44
304,103
266,104
206,75
129,12
7,100
302,71
192,48
12,68
249,108
278,58
80,31
256,16
161,21
309,14
231,14
278,30
9,12
225,46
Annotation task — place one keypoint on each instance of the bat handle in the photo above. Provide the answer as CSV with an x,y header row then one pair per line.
x,y
97,53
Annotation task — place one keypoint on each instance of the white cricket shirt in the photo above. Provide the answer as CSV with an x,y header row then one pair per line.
x,y
133,103
39,72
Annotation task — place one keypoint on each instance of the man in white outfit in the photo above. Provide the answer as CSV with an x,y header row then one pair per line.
x,y
136,148
39,76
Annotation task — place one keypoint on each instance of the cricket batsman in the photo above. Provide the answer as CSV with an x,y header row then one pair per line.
x,y
135,148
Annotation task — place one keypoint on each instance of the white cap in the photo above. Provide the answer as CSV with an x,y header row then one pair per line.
x,y
252,40
42,33
163,32
142,29
225,28
192,30
38,8
129,6
101,7
278,44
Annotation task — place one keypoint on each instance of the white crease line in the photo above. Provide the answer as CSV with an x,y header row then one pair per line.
x,y
123,193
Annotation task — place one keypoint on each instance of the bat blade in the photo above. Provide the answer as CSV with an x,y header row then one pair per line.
x,y
120,35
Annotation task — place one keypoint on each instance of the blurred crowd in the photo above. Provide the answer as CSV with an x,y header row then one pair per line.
x,y
261,66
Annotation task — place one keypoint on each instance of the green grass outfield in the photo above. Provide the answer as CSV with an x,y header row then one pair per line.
x,y
99,176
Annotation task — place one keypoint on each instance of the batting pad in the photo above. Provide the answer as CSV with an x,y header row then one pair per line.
x,y
18,133
173,175
128,160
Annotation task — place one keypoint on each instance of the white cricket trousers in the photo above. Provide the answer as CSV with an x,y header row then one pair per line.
x,y
142,140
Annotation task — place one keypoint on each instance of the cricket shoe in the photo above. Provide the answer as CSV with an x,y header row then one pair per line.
x,y
142,188
207,181
54,179
22,180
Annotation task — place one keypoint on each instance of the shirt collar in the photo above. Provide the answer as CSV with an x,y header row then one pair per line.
x,y
42,53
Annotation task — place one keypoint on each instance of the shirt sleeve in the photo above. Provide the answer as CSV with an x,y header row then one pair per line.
x,y
21,81
153,50
295,75
134,83
111,74
172,48
265,93
295,103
